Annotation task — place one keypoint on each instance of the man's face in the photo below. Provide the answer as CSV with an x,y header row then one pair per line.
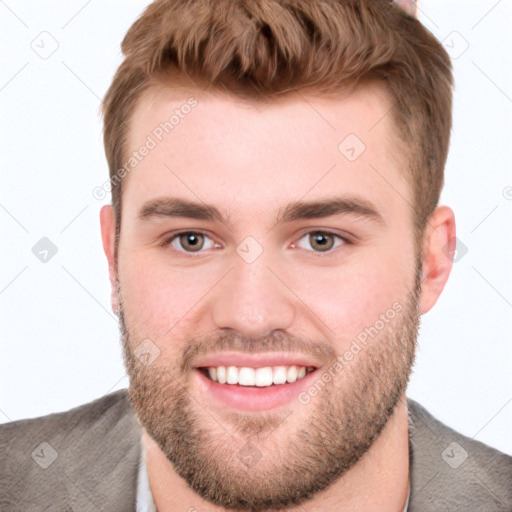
x,y
325,295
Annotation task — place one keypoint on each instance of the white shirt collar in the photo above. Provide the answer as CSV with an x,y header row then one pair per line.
x,y
145,502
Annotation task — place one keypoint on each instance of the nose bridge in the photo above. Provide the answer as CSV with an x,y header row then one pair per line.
x,y
252,300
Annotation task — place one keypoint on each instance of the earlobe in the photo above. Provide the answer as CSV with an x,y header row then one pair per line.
x,y
108,236
438,252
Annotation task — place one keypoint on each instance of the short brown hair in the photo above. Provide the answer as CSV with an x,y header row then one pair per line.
x,y
265,48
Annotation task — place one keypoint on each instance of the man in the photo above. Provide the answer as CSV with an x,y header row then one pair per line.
x,y
299,148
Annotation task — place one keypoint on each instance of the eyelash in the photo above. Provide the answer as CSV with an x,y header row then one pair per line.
x,y
346,241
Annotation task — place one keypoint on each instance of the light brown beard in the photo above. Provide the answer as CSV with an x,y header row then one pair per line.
x,y
346,417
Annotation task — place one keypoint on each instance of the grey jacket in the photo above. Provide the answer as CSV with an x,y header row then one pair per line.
x,y
86,459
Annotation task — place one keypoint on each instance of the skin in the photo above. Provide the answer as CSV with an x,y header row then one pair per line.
x,y
250,161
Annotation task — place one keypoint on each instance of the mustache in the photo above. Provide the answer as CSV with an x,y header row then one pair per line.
x,y
230,340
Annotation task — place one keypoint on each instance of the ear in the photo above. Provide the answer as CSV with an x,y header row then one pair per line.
x,y
438,252
108,237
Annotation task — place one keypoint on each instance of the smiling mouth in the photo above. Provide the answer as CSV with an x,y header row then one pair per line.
x,y
256,377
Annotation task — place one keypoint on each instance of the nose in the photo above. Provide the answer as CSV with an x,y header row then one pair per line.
x,y
253,301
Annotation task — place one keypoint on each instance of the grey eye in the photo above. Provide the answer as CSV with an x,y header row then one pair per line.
x,y
321,241
191,241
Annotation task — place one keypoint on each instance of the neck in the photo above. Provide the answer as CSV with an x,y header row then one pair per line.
x,y
379,481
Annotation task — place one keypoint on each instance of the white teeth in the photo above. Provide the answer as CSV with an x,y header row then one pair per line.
x,y
261,377
221,374
279,376
291,374
264,376
232,375
246,377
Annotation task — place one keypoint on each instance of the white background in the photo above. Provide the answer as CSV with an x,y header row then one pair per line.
x,y
59,340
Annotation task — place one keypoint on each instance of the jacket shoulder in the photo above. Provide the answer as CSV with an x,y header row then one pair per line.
x,y
82,459
450,471
83,414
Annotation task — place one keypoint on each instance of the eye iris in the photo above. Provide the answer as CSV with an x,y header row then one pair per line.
x,y
193,241
323,241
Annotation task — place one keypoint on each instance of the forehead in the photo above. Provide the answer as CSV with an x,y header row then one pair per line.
x,y
252,157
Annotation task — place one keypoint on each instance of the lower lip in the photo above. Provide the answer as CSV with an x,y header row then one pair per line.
x,y
251,398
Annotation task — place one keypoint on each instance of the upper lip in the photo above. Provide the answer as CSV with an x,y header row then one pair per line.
x,y
256,360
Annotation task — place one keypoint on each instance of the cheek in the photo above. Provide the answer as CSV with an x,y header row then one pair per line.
x,y
146,297
157,297
351,299
351,303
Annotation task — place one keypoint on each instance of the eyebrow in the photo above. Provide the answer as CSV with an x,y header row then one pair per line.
x,y
297,210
